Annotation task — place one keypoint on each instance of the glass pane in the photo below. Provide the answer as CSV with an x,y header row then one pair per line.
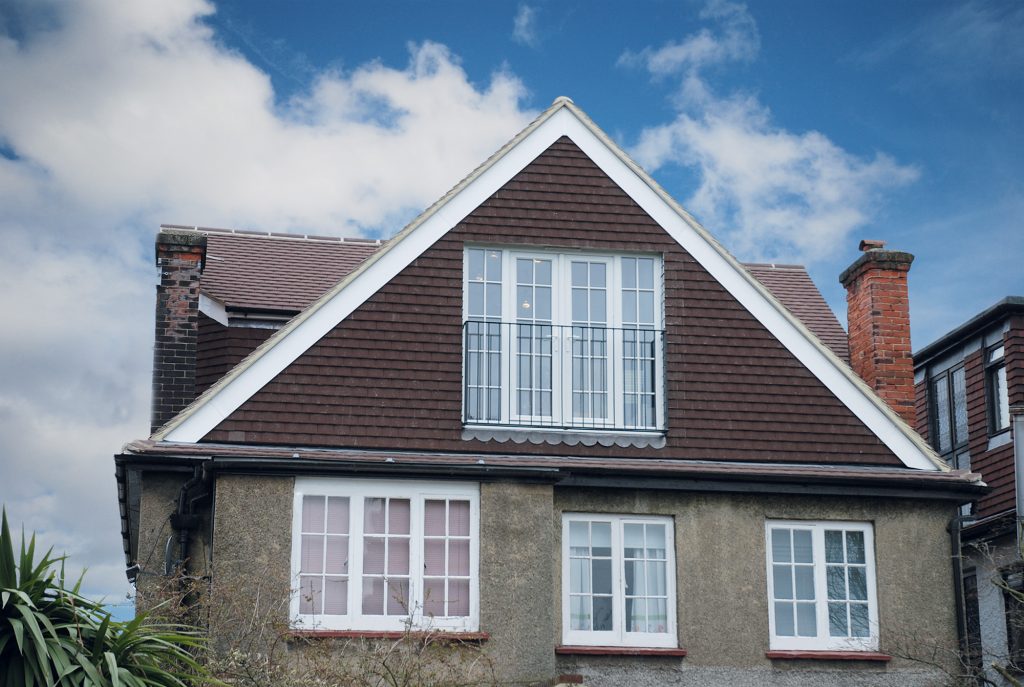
x,y
633,540
458,557
780,546
579,306
657,615
433,598
433,557
579,612
458,518
602,613
646,302
542,300
597,274
635,578
858,583
476,300
493,294
579,274
629,307
804,581
837,620
645,267
494,265
636,615
959,406
475,260
373,555
836,582
784,626
598,309
542,272
655,541
524,270
373,516
802,552
312,513
855,547
310,594
433,518
373,596
629,273
782,581
579,576
458,598
806,622
337,556
602,538
656,578
859,620
336,596
940,398
398,597
337,515
398,556
579,538
602,575
312,554
834,546
524,303
1001,402
398,516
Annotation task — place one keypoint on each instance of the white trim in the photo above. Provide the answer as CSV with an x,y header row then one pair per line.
x,y
823,641
561,119
417,492
213,309
617,636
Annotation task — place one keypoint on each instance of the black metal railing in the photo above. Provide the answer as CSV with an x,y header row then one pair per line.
x,y
530,374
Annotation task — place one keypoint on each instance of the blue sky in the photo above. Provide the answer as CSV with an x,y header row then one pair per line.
x,y
791,129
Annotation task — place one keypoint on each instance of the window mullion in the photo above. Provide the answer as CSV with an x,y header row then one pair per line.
x,y
355,586
821,584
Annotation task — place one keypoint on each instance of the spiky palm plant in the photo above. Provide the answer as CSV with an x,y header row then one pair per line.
x,y
52,635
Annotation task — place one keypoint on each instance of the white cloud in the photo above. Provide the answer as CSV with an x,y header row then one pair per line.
x,y
772,193
524,27
115,117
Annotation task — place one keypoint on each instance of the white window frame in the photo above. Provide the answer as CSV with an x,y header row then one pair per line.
x,y
618,636
823,641
418,492
561,318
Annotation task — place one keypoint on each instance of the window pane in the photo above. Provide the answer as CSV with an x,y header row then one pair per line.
x,y
476,300
433,598
524,270
373,596
579,612
858,583
645,267
398,556
310,594
337,556
373,555
629,273
475,260
782,581
1001,400
458,518
602,576
597,274
602,613
655,541
633,540
959,406
579,576
656,578
834,546
784,626
837,620
493,297
312,553
579,306
602,538
312,513
433,518
806,622
636,615
635,578
802,552
855,547
337,515
398,596
494,265
836,582
433,557
579,274
458,557
781,552
398,516
542,272
335,596
804,581
458,598
859,620
940,409
579,538
373,516
646,301
657,615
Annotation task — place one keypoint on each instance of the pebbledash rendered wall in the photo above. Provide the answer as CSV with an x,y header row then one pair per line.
x,y
722,607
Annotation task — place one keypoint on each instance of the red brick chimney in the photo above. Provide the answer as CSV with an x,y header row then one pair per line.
x,y
180,255
878,316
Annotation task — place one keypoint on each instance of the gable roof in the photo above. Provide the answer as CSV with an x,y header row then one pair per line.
x,y
286,273
563,118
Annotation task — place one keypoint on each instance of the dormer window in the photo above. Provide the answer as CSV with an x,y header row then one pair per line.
x,y
563,340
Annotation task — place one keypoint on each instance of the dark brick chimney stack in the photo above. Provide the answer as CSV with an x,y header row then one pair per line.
x,y
878,319
180,255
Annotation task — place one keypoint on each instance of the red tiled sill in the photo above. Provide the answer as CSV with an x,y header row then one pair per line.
x,y
831,655
377,634
618,651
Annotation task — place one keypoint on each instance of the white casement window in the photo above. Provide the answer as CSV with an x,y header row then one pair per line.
x,y
618,581
371,555
821,586
998,393
563,340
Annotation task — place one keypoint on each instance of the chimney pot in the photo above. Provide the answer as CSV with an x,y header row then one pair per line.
x,y
870,244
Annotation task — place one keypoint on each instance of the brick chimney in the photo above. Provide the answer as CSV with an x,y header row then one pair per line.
x,y
180,255
878,316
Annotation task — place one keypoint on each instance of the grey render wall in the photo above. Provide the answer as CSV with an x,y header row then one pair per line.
x,y
986,558
722,606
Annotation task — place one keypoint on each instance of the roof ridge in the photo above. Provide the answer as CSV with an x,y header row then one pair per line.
x,y
776,265
248,233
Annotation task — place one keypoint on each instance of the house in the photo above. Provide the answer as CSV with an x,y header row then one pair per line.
x,y
967,382
554,416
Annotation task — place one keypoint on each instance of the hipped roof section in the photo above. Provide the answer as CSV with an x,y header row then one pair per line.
x,y
563,118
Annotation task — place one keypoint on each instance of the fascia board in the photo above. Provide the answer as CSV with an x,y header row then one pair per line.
x,y
562,119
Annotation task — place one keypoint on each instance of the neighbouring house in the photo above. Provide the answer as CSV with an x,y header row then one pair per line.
x,y
552,415
967,382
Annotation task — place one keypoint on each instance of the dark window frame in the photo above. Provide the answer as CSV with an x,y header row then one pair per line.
x,y
992,368
958,444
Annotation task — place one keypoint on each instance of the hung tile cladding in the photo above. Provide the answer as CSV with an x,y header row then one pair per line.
x,y
555,416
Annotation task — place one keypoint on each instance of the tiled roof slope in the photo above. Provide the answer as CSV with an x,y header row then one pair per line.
x,y
793,286
287,272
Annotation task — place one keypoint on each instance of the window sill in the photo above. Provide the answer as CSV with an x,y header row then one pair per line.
x,y
618,651
830,655
571,437
437,635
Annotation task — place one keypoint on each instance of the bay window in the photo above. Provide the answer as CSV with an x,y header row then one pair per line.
x,y
563,340
373,555
821,586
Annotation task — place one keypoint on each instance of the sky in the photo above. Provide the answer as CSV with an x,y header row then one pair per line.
x,y
791,129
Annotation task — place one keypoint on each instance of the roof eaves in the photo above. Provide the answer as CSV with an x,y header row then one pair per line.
x,y
987,317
